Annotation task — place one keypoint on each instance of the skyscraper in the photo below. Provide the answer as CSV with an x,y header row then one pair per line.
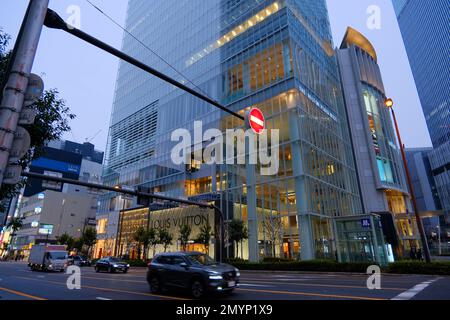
x,y
276,55
425,30
424,27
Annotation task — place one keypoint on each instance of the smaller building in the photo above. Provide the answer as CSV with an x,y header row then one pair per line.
x,y
49,214
381,175
170,219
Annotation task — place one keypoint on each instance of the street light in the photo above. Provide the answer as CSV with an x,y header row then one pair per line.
x,y
389,103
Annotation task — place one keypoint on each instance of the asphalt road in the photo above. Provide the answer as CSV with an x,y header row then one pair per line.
x,y
17,282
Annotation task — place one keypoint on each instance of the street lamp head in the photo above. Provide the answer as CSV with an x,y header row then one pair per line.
x,y
389,103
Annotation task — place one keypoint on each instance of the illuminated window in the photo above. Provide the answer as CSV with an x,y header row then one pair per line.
x,y
238,30
101,226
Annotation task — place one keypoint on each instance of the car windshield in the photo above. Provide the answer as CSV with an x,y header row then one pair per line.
x,y
114,260
200,259
58,255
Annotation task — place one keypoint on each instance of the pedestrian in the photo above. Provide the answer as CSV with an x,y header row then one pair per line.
x,y
419,254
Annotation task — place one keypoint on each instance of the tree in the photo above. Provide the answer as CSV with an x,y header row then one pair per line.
x,y
15,225
52,121
273,228
153,240
185,234
204,236
78,244
67,240
144,238
237,232
165,238
89,238
138,236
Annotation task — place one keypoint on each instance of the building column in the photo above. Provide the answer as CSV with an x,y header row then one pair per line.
x,y
304,222
252,217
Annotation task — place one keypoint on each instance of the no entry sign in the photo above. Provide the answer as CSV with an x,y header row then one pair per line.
x,y
255,120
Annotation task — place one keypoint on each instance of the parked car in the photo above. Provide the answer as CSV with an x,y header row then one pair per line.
x,y
80,261
111,265
192,271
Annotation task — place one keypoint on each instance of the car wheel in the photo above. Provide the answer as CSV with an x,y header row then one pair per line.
x,y
125,271
97,269
155,285
110,270
197,289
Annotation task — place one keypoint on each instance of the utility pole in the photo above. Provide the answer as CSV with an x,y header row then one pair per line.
x,y
17,83
389,103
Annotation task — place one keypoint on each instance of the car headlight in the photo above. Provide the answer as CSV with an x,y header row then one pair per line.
x,y
238,273
115,265
128,265
50,266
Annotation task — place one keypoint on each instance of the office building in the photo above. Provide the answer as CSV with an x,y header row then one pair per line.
x,y
274,55
424,27
50,214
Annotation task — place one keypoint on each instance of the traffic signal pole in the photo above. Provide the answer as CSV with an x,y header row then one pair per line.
x,y
217,211
54,21
16,85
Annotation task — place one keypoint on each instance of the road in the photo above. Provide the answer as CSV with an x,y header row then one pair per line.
x,y
17,282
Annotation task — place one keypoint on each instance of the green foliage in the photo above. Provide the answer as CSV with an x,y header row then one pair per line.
x,y
153,239
144,238
165,238
185,234
204,237
419,267
89,238
15,224
52,121
401,267
279,260
310,266
67,240
237,231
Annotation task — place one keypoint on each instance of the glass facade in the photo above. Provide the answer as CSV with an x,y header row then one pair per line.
x,y
424,27
276,55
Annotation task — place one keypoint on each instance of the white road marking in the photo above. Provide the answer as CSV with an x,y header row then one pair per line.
x,y
411,293
105,299
253,285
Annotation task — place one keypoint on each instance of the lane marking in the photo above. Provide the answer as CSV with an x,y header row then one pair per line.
x,y
321,285
253,285
411,293
104,299
120,280
311,294
112,290
21,294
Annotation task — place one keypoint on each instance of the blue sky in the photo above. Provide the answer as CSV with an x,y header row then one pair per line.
x,y
85,76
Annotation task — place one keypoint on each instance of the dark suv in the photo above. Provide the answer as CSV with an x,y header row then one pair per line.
x,y
193,271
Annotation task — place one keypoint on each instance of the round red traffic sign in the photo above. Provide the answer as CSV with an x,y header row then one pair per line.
x,y
256,121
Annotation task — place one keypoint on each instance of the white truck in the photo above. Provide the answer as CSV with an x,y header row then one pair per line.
x,y
48,258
